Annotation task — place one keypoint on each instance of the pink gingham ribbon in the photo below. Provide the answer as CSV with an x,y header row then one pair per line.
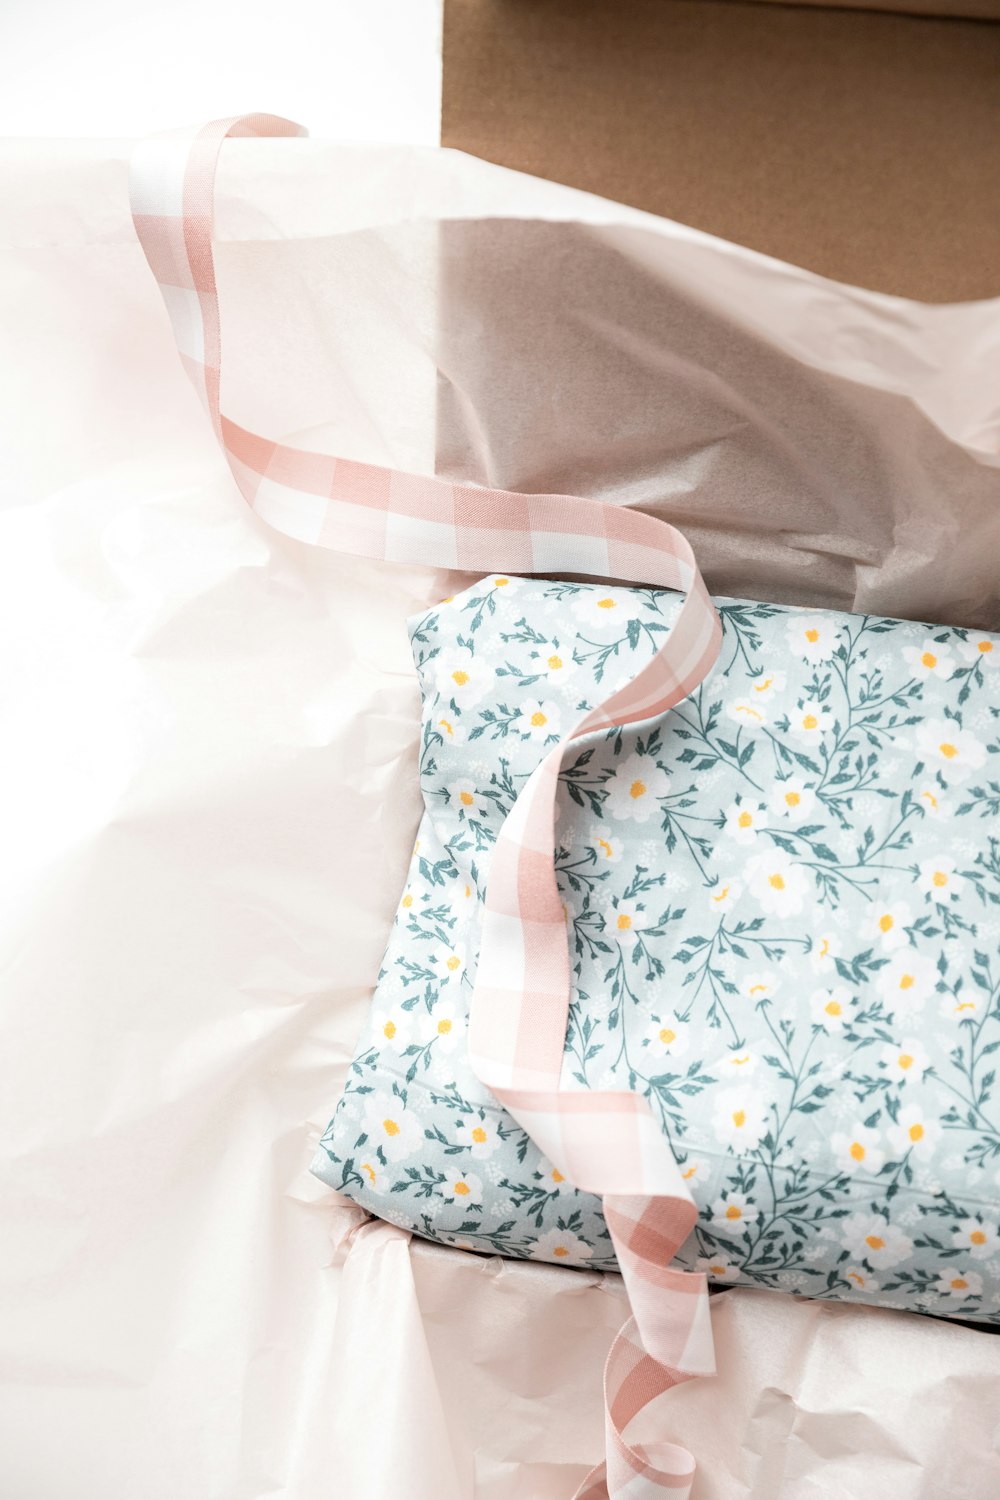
x,y
605,1143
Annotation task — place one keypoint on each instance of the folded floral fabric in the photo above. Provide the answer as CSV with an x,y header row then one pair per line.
x,y
783,908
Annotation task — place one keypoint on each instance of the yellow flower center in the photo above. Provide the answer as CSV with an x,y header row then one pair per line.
x,y
949,751
688,1172
637,790
538,719
959,1284
886,922
810,721
466,799
905,1061
940,878
857,1151
407,901
557,1176
468,892
985,647
812,636
758,989
928,660
718,1269
792,799
875,1241
444,1027
906,982
444,724
777,882
603,843
762,687
744,708
501,583
560,1250
460,677
479,1135
454,962
965,1005
555,662
624,921
365,1167
856,1277
722,894
930,797
390,1127
916,1132
745,820
832,1008
739,1118
824,948
605,604
977,1237
461,1189
733,1211
667,1036
389,1030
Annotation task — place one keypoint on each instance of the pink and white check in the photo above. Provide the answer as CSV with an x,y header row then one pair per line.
x,y
605,1143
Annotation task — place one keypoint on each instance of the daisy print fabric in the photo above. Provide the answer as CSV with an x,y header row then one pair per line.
x,y
783,916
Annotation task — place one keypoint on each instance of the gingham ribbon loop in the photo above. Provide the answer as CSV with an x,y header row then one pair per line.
x,y
605,1143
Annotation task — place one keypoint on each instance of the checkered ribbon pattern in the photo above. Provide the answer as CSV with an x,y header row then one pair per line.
x,y
606,1143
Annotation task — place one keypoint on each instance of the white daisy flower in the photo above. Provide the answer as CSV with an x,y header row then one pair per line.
x,y
757,987
539,720
395,1032
724,894
480,1136
954,752
737,1064
824,952
460,677
623,918
732,1212
463,900
561,1246
463,1187
868,1236
553,661
741,1118
443,1026
939,880
466,800
391,1127
831,1009
810,720
906,982
887,922
747,711
980,1240
634,788
791,799
666,1036
961,1007
861,1280
980,648
765,686
609,850
915,1132
717,1268
777,883
906,1062
859,1149
929,660
812,636
744,820
604,610
956,1284
449,963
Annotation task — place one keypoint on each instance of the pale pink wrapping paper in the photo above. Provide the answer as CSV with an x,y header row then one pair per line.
x,y
208,802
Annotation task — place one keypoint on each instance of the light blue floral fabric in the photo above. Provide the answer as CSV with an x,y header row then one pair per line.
x,y
783,911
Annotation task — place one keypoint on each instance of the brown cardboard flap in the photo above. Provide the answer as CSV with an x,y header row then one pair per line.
x,y
863,146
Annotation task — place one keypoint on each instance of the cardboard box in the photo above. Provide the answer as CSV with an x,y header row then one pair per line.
x,y
862,144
